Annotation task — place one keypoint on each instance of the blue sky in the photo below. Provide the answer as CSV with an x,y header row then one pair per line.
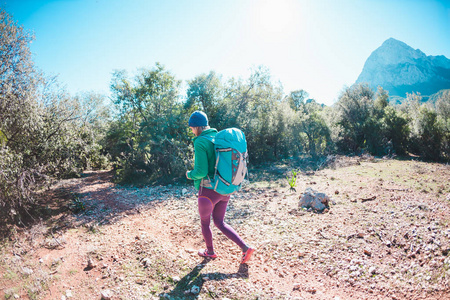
x,y
319,46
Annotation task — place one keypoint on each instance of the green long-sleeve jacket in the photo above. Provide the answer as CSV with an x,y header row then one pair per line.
x,y
204,158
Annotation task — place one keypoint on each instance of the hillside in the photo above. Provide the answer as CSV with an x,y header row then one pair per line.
x,y
386,235
400,69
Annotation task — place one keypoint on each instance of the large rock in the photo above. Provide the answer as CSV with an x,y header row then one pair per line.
x,y
314,200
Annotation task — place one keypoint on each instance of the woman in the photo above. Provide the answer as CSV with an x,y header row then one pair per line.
x,y
209,201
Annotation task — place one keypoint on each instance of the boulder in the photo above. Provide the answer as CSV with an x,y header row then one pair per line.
x,y
312,199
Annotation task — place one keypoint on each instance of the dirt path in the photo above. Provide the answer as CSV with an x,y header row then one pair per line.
x,y
385,236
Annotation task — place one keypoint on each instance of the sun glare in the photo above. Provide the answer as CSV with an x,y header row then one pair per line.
x,y
275,17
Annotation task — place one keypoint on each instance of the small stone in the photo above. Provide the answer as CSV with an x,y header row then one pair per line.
x,y
372,270
27,271
355,274
146,262
367,252
106,295
184,192
177,278
69,294
91,264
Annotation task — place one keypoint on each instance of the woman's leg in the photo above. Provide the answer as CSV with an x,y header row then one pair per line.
x,y
218,216
205,208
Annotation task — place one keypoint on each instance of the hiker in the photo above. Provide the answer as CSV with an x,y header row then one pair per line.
x,y
209,201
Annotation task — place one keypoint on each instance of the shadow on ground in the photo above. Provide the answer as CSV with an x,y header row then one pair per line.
x,y
190,285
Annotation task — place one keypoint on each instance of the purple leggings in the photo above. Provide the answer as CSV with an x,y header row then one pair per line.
x,y
210,202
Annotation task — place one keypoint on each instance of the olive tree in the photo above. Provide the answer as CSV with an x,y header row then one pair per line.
x,y
18,117
356,119
205,93
44,132
148,139
443,111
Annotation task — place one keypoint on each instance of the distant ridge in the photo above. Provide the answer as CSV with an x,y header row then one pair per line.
x,y
400,69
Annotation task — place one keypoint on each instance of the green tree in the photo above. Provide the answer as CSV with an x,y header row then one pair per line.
x,y
358,120
395,130
254,106
42,131
443,111
313,125
297,99
149,137
18,82
428,135
205,93
18,116
382,99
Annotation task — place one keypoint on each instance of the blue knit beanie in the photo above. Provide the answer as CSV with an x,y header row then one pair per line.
x,y
198,119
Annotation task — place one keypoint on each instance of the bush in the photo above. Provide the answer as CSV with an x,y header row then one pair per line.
x,y
43,131
149,136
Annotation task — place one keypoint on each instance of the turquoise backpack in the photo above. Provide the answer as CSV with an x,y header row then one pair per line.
x,y
231,161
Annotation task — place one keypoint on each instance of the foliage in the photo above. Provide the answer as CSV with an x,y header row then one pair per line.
x,y
293,180
204,93
43,131
427,134
356,118
296,99
254,106
313,125
395,130
149,136
443,115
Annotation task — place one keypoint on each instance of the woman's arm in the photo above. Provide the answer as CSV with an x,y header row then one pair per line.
x,y
200,161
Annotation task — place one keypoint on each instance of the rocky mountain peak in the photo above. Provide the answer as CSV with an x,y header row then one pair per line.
x,y
393,51
401,69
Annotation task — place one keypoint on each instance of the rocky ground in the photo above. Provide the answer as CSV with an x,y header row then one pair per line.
x,y
386,235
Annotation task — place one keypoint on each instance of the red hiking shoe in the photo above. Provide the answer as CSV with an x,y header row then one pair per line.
x,y
247,255
204,253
